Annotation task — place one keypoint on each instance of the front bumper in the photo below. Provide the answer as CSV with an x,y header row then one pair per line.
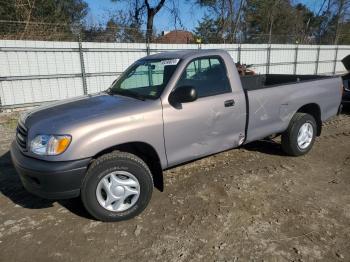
x,y
47,179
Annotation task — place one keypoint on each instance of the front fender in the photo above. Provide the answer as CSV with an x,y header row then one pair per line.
x,y
144,127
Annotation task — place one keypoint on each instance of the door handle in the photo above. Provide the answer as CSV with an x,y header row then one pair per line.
x,y
229,103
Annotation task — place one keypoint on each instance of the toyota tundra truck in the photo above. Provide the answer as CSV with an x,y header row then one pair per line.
x,y
166,109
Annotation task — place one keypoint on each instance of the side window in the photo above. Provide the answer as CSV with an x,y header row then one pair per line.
x,y
207,75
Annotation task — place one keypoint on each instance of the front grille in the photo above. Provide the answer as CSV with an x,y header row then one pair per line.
x,y
21,136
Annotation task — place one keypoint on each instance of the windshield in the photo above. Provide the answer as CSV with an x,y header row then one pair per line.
x,y
146,79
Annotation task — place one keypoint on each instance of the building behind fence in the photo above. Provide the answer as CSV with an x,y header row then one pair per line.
x,y
33,72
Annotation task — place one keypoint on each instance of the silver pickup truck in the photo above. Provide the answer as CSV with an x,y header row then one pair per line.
x,y
165,109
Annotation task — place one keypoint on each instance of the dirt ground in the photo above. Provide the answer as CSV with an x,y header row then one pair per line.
x,y
247,204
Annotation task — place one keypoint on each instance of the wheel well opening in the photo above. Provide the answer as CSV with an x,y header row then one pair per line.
x,y
314,110
147,153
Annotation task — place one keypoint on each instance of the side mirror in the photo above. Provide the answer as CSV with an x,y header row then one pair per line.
x,y
183,94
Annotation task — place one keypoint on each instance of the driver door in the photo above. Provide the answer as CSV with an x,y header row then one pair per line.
x,y
210,124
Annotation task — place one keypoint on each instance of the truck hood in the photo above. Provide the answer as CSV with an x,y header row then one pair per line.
x,y
346,62
59,114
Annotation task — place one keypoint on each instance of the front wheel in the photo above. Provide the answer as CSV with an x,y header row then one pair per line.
x,y
299,138
117,186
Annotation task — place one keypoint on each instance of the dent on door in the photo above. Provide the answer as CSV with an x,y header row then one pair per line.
x,y
201,128
213,128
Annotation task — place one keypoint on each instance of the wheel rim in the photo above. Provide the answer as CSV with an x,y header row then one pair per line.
x,y
118,191
305,135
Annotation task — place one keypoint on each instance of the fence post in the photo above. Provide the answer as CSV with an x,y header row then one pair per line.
x,y
317,59
295,59
335,60
239,52
0,105
268,59
82,65
148,51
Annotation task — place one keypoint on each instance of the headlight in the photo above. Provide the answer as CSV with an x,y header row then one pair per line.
x,y
50,144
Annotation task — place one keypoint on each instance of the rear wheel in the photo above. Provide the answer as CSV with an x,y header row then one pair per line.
x,y
117,186
299,138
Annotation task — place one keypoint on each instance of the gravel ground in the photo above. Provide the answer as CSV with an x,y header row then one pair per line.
x,y
247,204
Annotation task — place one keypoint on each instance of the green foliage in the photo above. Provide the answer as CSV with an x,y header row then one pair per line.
x,y
8,10
48,11
41,19
274,21
117,29
263,17
209,30
344,38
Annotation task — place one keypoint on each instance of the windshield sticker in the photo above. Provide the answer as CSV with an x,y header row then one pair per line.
x,y
170,62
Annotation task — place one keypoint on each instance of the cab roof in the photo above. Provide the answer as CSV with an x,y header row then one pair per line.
x,y
183,54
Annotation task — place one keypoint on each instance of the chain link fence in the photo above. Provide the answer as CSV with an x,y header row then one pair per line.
x,y
46,62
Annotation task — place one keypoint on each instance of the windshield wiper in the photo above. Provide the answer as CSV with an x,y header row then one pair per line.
x,y
124,92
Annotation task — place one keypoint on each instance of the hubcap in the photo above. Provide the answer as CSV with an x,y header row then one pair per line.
x,y
118,191
305,135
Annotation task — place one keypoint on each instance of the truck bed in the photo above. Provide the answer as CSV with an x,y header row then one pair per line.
x,y
273,99
255,82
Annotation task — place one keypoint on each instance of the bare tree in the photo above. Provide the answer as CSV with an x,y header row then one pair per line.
x,y
25,10
342,10
143,12
238,17
222,13
151,12
138,9
271,19
175,12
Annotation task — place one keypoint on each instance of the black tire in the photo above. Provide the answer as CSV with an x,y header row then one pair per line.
x,y
104,165
290,136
